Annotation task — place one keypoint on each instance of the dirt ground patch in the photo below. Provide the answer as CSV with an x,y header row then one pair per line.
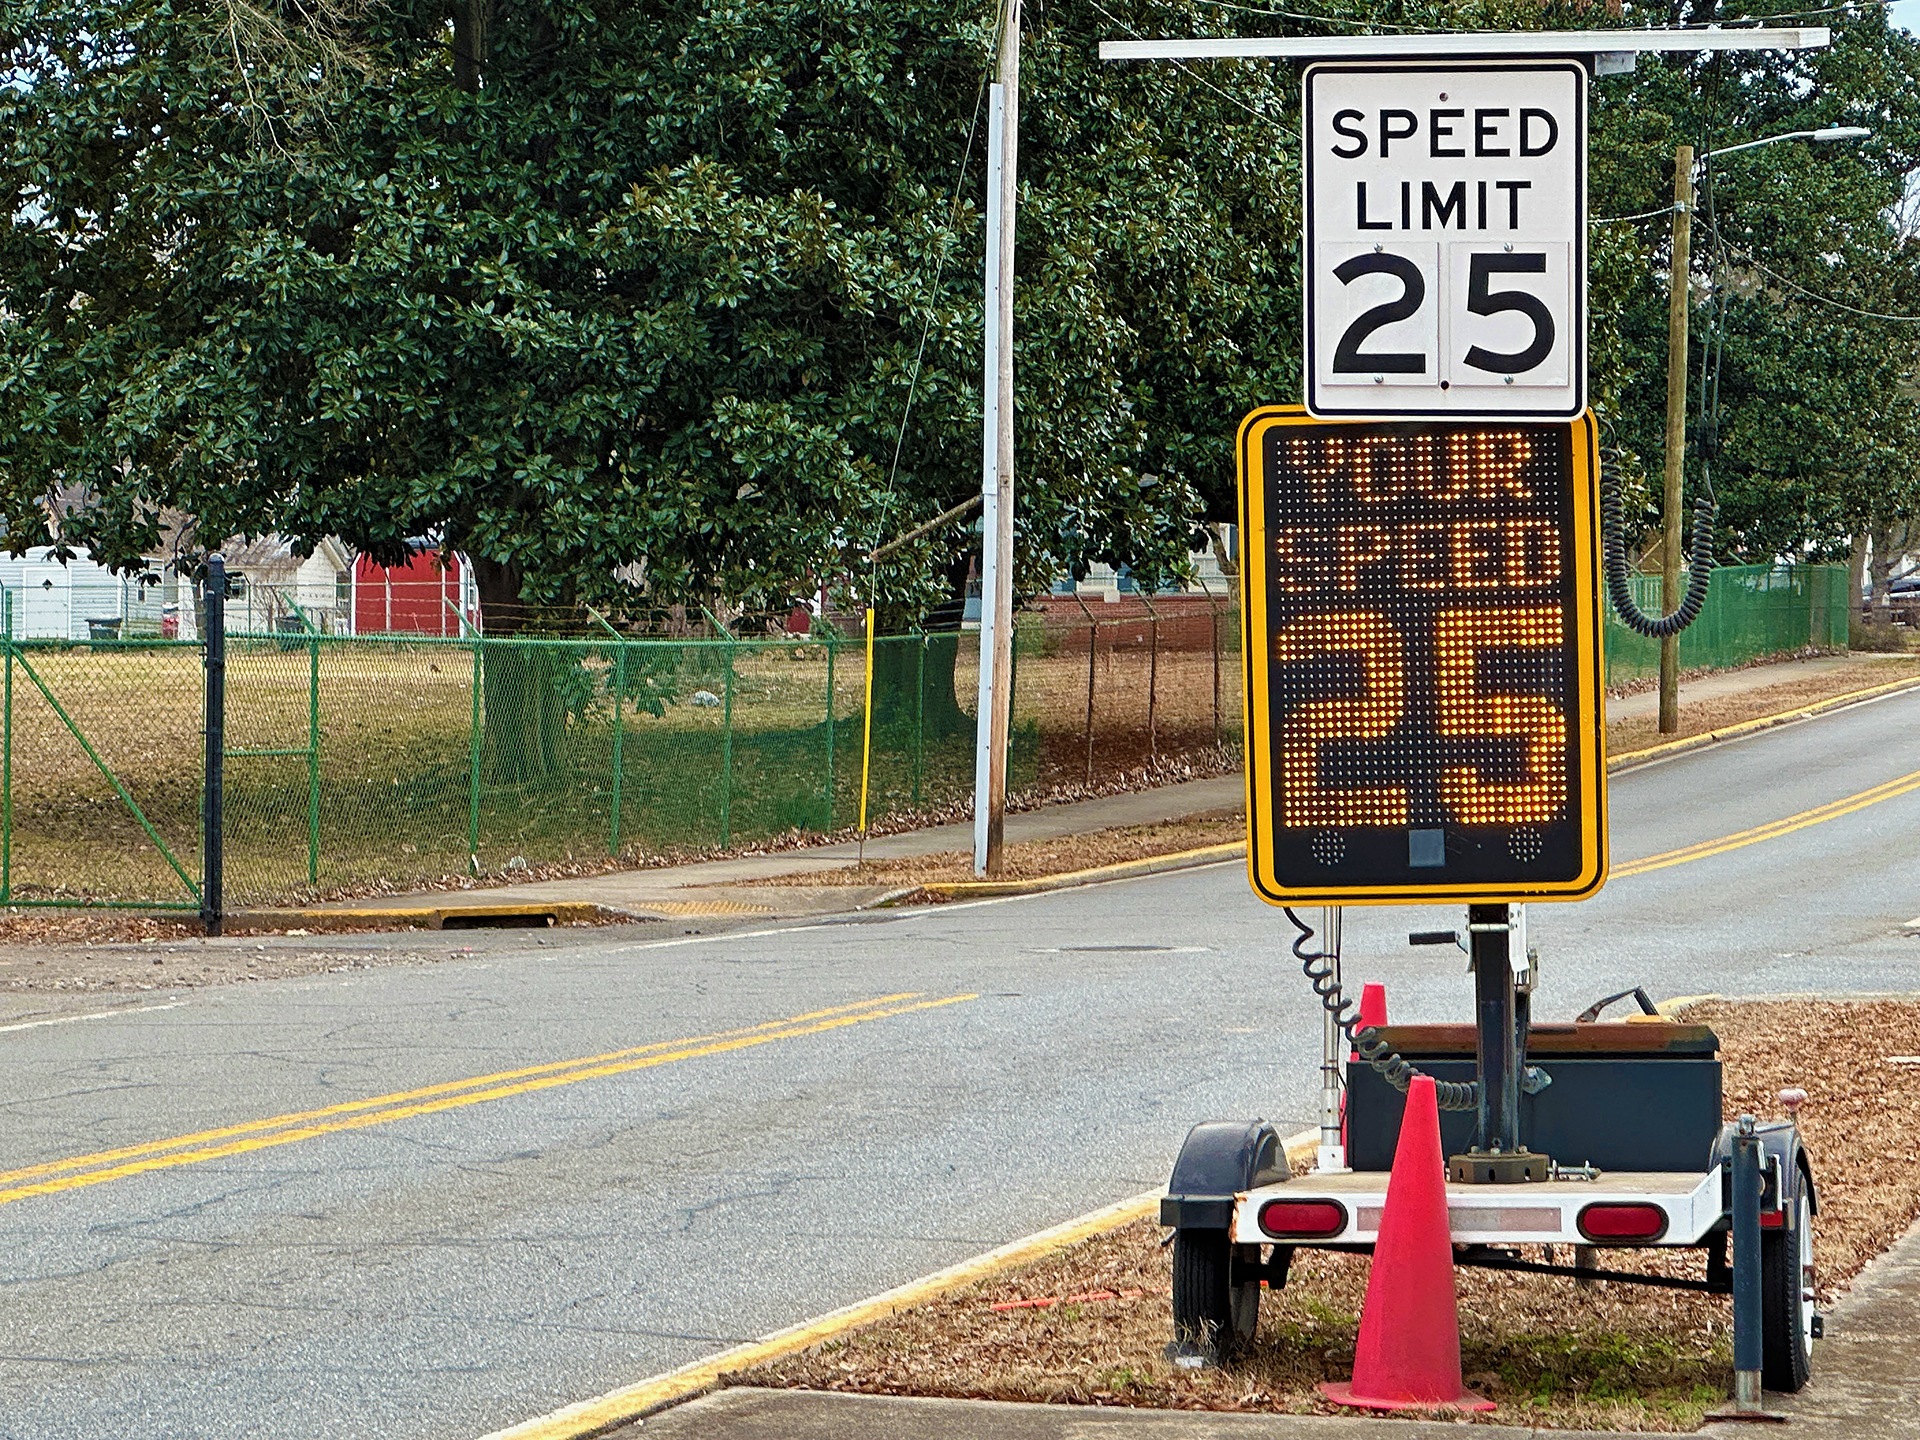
x,y
1550,1352
1699,716
1035,859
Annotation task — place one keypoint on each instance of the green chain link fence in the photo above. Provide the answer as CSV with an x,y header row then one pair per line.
x,y
1751,611
375,763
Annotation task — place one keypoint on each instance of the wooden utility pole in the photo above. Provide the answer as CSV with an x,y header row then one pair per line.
x,y
996,659
1678,289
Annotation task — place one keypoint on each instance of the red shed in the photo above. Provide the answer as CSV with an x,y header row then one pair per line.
x,y
425,596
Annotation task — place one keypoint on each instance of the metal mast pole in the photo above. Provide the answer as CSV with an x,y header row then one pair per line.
x,y
1677,298
989,491
1000,716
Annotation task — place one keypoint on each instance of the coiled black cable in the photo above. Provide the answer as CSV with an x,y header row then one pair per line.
x,y
1365,1039
1614,560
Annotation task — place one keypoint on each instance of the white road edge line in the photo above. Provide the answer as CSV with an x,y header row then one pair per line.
x,y
92,1015
590,1417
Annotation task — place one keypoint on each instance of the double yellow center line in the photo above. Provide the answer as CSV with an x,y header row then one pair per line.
x,y
1774,829
203,1145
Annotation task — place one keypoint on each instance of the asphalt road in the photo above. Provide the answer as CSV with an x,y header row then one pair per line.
x,y
434,1254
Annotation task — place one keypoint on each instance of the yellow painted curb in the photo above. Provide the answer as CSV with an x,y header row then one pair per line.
x,y
1745,727
619,1407
1120,870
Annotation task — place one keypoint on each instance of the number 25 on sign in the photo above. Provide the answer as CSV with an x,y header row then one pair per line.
x,y
1422,630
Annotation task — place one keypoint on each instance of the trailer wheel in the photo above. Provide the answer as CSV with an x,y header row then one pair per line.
x,y
1786,1295
1215,1310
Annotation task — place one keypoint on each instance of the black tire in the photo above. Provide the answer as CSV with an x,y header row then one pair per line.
x,y
1786,1301
1214,1311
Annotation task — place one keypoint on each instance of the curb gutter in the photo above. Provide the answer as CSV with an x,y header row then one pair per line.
x,y
533,914
632,1402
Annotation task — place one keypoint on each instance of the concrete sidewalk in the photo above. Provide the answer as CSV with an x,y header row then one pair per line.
x,y
1645,704
1866,1386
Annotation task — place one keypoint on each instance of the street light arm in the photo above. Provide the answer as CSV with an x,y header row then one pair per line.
x,y
1825,133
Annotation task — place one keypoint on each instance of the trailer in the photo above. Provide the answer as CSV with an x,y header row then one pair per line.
x,y
1600,1137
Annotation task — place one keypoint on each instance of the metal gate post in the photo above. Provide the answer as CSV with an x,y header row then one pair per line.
x,y
1746,1268
212,798
827,827
313,755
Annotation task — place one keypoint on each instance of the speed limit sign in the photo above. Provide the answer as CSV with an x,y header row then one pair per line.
x,y
1445,250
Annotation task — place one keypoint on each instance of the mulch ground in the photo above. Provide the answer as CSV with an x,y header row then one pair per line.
x,y
1549,1351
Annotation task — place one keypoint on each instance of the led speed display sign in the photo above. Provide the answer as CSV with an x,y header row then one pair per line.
x,y
1445,246
1423,660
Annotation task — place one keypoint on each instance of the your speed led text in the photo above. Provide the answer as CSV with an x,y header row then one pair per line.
x,y
1414,513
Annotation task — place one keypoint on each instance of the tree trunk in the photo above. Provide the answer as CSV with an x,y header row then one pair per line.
x,y
906,691
523,715
1857,572
1880,566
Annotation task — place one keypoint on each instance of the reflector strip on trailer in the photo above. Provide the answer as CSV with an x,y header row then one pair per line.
x,y
1538,1213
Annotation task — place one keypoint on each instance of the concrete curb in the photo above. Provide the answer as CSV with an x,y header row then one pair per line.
x,y
632,1402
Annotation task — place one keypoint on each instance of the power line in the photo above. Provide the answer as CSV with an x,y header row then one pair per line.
x,y
1813,295
1623,219
939,270
1226,95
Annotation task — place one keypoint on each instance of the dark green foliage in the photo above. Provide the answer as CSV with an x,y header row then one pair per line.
x,y
1818,429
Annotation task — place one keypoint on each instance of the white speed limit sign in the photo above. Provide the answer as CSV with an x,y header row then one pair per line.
x,y
1445,247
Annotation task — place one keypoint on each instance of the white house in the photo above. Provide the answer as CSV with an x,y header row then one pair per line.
x,y
76,599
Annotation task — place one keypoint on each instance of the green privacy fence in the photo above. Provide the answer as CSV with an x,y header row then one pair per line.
x,y
1751,611
358,765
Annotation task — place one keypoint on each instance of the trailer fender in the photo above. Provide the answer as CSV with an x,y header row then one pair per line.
x,y
1782,1154
1219,1160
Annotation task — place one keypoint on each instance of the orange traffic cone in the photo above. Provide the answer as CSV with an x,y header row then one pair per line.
x,y
1373,1004
1373,1011
1409,1352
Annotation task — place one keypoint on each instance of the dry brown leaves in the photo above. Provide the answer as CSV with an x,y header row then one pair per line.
x,y
1606,1355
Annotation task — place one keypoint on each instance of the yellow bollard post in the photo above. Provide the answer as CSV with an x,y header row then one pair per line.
x,y
866,744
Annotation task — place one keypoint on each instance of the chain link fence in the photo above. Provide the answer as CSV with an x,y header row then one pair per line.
x,y
377,763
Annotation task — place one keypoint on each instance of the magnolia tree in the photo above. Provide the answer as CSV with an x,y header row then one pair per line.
x,y
575,288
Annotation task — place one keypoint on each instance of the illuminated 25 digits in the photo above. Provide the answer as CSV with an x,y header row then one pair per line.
x,y
1368,716
1463,634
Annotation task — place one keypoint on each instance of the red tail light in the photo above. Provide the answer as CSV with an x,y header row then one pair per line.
x,y
1303,1219
1623,1221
